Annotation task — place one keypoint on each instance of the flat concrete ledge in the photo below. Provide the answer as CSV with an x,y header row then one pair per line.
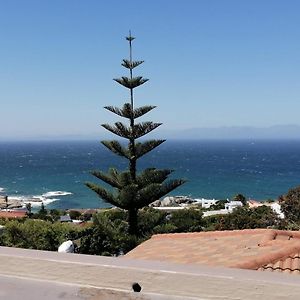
x,y
97,277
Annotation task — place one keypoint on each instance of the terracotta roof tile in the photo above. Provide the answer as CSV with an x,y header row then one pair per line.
x,y
257,249
12,214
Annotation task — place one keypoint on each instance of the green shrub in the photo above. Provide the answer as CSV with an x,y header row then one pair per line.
x,y
186,220
37,234
107,237
74,214
249,218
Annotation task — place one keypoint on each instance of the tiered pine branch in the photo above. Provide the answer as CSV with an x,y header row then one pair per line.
x,y
131,190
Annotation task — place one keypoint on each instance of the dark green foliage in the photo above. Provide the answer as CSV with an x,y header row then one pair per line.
x,y
42,211
29,209
128,113
51,215
131,64
131,83
213,222
55,214
186,220
42,214
150,221
246,218
130,133
74,214
290,205
36,234
108,236
130,190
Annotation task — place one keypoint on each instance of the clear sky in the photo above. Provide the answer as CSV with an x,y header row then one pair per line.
x,y
211,63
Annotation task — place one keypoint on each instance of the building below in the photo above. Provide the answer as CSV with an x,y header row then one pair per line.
x,y
167,267
254,249
13,214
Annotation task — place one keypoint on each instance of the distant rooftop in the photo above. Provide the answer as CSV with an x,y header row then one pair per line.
x,y
255,249
13,214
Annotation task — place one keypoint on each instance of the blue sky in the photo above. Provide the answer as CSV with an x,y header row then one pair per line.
x,y
211,63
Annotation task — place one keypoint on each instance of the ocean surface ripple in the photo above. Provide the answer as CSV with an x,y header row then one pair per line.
x,y
214,169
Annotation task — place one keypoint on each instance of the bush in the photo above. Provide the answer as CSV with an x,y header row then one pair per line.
x,y
37,234
290,205
246,218
74,214
186,220
150,218
107,237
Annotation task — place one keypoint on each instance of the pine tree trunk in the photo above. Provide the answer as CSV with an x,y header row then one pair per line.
x,y
132,221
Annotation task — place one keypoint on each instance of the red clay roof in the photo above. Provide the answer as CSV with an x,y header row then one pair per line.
x,y
289,264
256,249
12,214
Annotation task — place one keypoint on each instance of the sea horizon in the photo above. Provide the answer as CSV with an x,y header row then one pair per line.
x,y
259,169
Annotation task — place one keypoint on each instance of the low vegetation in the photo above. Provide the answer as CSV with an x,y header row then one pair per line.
x,y
37,234
107,232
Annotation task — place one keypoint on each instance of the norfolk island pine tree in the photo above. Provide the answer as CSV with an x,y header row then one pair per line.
x,y
131,190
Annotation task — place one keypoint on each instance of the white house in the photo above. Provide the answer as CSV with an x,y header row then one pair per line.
x,y
230,206
206,203
277,208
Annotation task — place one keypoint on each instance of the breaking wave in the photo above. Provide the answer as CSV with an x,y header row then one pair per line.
x,y
55,194
37,200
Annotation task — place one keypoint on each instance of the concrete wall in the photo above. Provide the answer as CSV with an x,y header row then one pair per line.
x,y
30,274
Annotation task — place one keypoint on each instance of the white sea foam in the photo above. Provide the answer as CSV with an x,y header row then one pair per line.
x,y
2,189
39,203
55,194
37,200
17,198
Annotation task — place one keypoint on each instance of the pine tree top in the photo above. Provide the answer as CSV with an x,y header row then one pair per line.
x,y
130,38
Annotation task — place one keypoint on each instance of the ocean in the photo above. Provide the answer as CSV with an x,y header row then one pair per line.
x,y
56,171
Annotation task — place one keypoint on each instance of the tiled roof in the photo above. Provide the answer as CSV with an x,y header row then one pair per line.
x,y
289,264
12,214
256,249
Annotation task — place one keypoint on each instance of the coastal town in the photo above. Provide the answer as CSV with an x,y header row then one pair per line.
x,y
9,206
